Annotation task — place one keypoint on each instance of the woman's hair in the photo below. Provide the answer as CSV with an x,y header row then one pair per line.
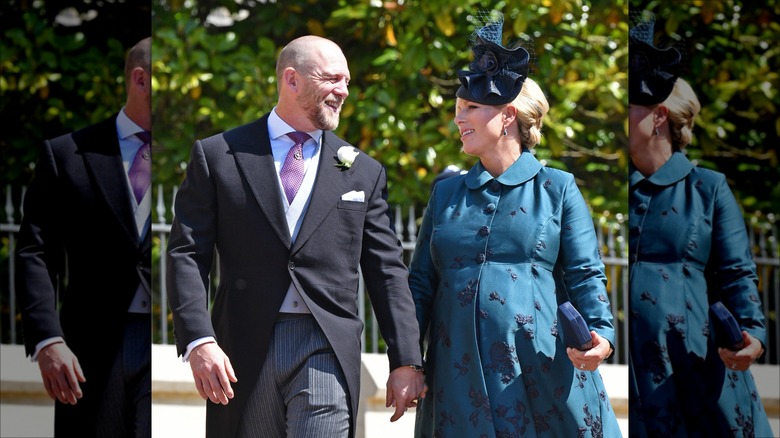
x,y
683,106
532,106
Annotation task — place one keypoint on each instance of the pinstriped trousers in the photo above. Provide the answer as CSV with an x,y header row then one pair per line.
x,y
301,391
126,407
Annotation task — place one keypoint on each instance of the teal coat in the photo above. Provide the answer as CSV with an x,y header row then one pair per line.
x,y
482,281
688,247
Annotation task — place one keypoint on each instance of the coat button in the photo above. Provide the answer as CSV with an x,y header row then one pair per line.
x,y
291,265
490,208
495,186
481,258
641,208
484,231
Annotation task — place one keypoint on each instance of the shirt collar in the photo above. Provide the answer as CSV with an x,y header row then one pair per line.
x,y
278,128
523,169
677,167
125,127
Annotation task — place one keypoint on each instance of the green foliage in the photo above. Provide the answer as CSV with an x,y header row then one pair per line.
x,y
56,79
731,61
404,59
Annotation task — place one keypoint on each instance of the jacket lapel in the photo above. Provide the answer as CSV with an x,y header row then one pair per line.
x,y
251,147
327,188
99,146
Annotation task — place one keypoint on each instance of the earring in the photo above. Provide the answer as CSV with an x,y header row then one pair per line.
x,y
656,132
504,132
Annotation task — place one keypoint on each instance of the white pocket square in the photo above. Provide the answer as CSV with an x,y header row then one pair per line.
x,y
354,196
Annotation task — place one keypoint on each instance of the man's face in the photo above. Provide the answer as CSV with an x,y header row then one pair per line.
x,y
325,89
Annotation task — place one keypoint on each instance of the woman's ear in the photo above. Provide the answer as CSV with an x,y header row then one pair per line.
x,y
510,115
660,114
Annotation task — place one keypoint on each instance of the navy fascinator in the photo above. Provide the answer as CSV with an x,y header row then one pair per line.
x,y
496,75
652,71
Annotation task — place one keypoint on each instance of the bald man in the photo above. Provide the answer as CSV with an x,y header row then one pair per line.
x,y
279,355
90,203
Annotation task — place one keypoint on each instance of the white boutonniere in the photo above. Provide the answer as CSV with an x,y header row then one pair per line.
x,y
346,156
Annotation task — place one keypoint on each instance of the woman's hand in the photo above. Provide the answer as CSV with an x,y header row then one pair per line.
x,y
589,360
742,359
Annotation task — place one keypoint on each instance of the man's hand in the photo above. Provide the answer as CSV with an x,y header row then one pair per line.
x,y
403,387
742,359
589,360
61,373
213,373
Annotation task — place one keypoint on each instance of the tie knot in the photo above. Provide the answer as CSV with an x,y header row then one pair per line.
x,y
298,137
145,136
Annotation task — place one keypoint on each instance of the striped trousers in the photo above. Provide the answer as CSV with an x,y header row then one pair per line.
x,y
301,391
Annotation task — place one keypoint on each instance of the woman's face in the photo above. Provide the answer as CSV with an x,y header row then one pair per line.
x,y
641,127
480,126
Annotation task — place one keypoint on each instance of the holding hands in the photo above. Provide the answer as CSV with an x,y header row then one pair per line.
x,y
404,386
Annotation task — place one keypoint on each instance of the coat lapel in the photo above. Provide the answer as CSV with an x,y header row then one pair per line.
x,y
99,146
327,188
251,147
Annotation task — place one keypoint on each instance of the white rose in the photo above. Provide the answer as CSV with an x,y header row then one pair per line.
x,y
346,156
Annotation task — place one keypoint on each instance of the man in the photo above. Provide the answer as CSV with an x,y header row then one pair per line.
x,y
87,218
280,354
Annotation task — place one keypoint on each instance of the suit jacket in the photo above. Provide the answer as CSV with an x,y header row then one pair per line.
x,y
231,201
78,222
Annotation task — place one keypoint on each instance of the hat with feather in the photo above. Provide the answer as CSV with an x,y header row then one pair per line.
x,y
652,71
497,73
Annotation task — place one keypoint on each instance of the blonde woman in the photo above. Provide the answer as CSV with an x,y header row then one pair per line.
x,y
482,274
688,250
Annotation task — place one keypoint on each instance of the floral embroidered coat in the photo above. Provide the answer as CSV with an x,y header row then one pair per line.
x,y
687,240
482,281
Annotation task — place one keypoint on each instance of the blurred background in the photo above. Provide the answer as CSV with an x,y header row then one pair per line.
x,y
213,67
213,64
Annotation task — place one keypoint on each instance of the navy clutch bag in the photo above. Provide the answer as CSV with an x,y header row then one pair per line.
x,y
575,331
727,332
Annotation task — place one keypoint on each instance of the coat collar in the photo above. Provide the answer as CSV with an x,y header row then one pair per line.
x,y
331,183
523,169
676,168
251,146
99,146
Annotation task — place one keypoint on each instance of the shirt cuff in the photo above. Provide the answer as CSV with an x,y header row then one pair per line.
x,y
45,343
195,343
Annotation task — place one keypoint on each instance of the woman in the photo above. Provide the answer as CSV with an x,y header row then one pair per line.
x,y
688,249
482,274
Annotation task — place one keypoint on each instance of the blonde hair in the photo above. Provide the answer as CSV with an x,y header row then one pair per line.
x,y
683,106
532,106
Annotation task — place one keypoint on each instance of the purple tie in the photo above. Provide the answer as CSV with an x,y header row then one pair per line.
x,y
141,170
292,169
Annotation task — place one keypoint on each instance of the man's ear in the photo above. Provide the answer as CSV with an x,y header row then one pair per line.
x,y
138,77
290,78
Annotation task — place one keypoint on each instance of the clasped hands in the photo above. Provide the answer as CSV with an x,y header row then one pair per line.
x,y
404,386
